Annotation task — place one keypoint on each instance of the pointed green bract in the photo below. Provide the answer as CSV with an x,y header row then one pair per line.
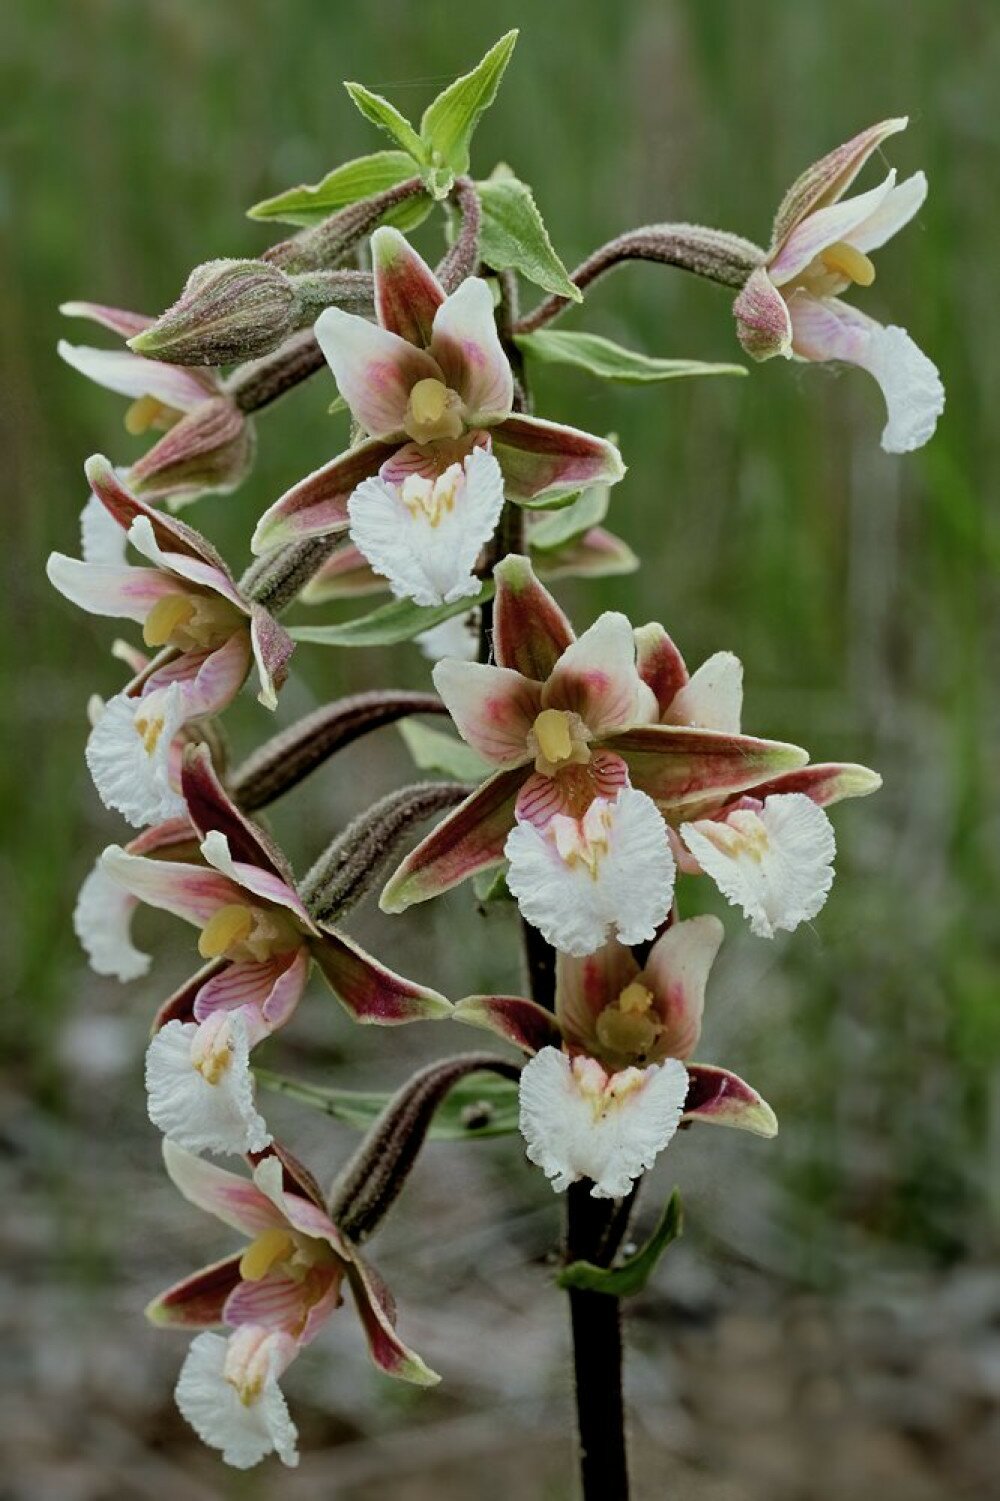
x,y
633,1274
447,124
388,118
389,624
513,237
610,361
306,204
433,750
588,509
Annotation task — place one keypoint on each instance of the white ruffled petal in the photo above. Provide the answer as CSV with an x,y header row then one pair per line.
x,y
424,535
198,1115
102,920
610,873
102,540
911,386
244,1431
776,864
713,697
131,765
579,1122
457,637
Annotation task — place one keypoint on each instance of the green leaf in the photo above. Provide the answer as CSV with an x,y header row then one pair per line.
x,y
478,1105
389,624
513,237
448,123
588,509
633,1274
491,885
434,750
362,178
388,118
610,361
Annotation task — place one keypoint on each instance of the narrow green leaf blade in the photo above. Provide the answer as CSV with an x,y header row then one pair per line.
x,y
610,361
366,175
633,1274
448,123
389,624
434,750
388,118
513,237
478,1105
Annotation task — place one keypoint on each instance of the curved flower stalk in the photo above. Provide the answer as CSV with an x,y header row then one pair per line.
x,y
428,383
770,849
609,1078
208,441
276,1296
206,631
567,721
259,942
820,248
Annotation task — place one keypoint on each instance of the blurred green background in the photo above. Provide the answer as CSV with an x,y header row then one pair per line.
x,y
848,1265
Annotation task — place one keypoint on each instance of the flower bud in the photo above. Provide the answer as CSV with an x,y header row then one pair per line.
x,y
229,310
210,449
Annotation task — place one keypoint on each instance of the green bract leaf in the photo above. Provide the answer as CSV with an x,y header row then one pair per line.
x,y
478,1105
448,123
588,509
491,885
513,237
634,1273
610,361
434,750
349,183
388,118
389,624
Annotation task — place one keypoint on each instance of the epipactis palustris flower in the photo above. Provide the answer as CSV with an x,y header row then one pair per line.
x,y
820,248
428,383
275,1295
206,634
207,443
609,1079
259,942
567,721
769,849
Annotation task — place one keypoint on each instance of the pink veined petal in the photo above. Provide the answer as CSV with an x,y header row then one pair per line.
x,y
679,767
272,651
547,458
530,630
430,460
468,840
375,370
193,892
271,990
659,663
179,1006
265,884
300,1213
278,1301
542,797
829,178
828,329
407,293
721,1098
118,320
377,1313
596,677
524,1023
894,213
197,1301
317,505
206,575
118,592
824,227
344,575
129,374
676,971
231,1198
171,535
370,992
210,807
493,708
467,347
219,676
584,986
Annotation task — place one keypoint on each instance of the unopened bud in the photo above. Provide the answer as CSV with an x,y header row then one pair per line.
x,y
228,310
211,448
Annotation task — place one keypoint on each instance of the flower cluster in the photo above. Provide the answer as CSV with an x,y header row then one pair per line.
x,y
611,775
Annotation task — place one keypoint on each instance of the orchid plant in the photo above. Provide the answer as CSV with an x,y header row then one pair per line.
x,y
591,773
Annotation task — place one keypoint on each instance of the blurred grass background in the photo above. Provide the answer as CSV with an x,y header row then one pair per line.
x,y
859,590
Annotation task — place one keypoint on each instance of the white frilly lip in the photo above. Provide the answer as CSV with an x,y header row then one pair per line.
x,y
197,1115
245,1433
102,921
130,778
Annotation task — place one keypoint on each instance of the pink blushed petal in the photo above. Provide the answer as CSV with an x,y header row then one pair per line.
x,y
258,881
826,180
118,320
493,708
530,630
369,991
211,807
198,1301
270,991
180,1005
659,664
317,505
542,797
678,766
596,677
893,214
541,458
300,1213
676,971
130,375
467,347
116,592
347,574
158,549
713,698
763,326
375,370
720,1098
192,892
584,986
276,1301
272,651
524,1023
218,677
407,293
377,1313
823,228
229,1197
469,840
171,535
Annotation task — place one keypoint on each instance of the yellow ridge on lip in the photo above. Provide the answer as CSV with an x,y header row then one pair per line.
x,y
230,925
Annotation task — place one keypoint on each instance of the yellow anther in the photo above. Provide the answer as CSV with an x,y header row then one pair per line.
x,y
433,412
635,999
261,1254
428,400
230,925
147,412
167,614
553,735
843,259
631,1034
